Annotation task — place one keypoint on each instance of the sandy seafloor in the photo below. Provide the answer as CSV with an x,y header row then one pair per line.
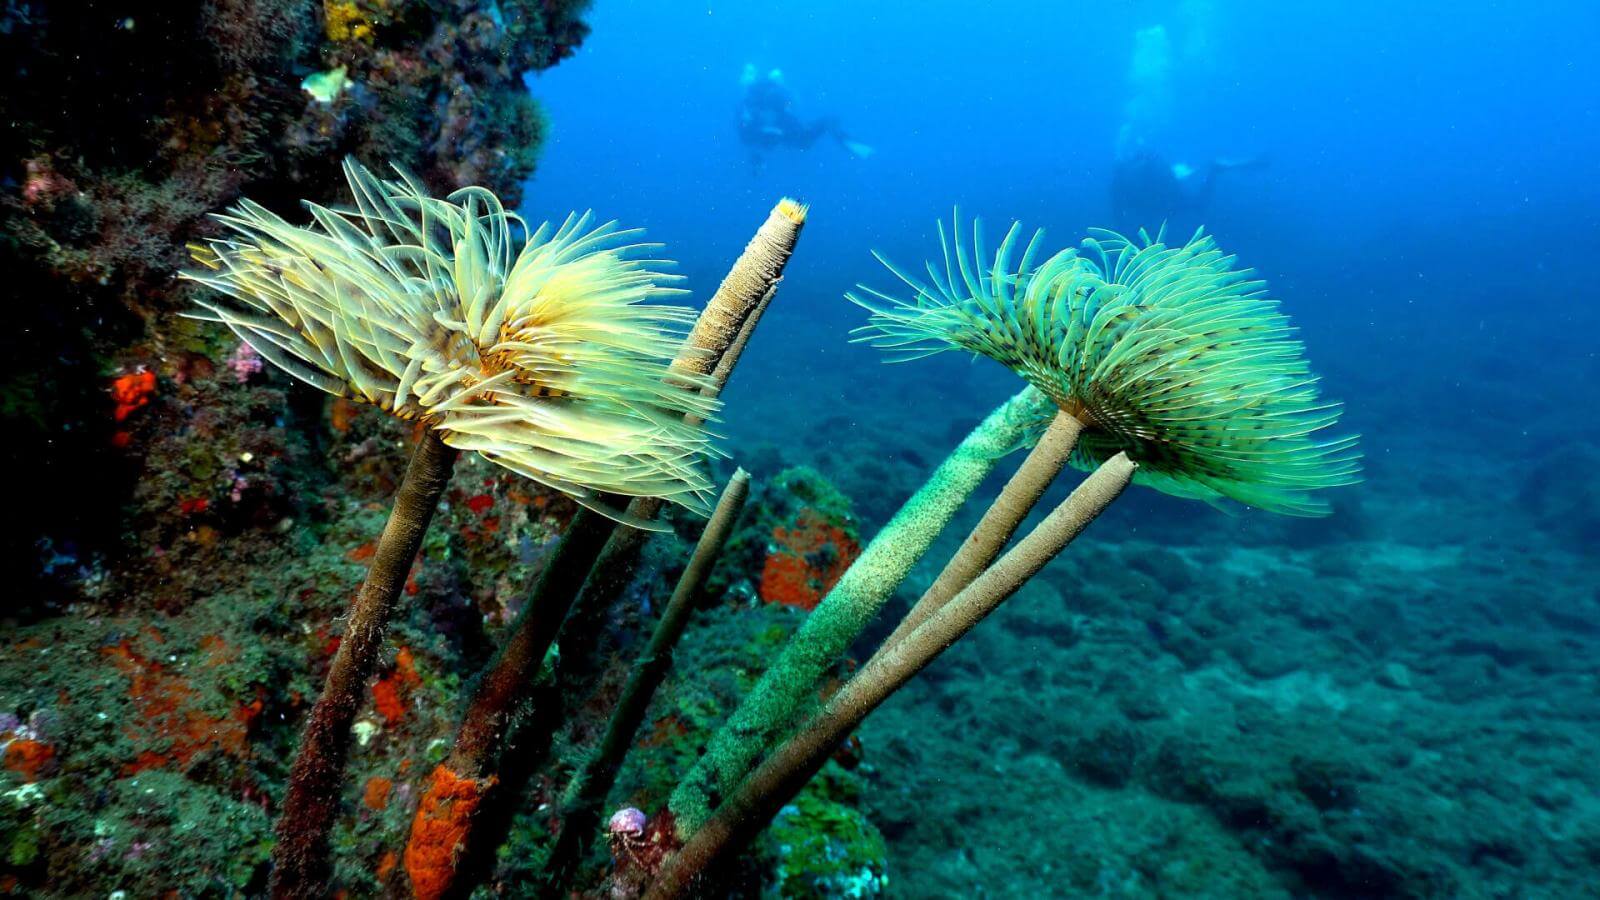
x,y
1398,700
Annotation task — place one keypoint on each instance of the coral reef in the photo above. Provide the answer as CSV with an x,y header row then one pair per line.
x,y
200,520
193,103
209,698
1394,702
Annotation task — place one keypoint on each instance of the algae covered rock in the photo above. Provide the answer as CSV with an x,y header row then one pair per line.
x,y
825,848
1104,753
796,539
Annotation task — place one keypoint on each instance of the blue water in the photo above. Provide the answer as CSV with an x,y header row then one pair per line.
x,y
1427,215
1397,700
1427,212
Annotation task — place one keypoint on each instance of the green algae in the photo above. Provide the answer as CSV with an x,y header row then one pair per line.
x,y
325,87
824,846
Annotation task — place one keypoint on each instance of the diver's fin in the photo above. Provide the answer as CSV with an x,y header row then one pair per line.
x,y
857,149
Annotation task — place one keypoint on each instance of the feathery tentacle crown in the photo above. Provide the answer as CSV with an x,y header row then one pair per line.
x,y
1167,352
534,348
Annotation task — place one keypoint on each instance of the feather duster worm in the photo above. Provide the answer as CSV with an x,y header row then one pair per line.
x,y
490,724
1166,352
1163,364
538,349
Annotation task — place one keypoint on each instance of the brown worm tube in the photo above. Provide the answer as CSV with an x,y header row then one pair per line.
x,y
721,334
999,522
775,782
300,858
586,797
594,550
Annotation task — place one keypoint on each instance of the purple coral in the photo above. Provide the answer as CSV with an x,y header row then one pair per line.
x,y
244,363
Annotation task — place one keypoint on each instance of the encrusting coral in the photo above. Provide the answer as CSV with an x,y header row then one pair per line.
x,y
543,359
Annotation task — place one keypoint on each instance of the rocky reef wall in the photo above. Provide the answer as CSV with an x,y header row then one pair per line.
x,y
190,522
125,125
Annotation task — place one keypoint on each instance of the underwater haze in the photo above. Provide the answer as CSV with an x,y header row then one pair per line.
x,y
1422,199
364,543
1425,204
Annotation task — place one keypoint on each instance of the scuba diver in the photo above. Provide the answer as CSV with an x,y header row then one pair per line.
x,y
767,119
1147,189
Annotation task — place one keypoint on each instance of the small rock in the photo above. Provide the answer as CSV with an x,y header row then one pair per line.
x,y
1395,675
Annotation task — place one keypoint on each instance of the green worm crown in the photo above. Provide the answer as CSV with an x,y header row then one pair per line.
x,y
1169,353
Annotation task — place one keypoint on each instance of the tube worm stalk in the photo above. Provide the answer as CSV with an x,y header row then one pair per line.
x,y
776,781
777,699
515,666
470,772
581,811
300,858
999,522
594,549
721,333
